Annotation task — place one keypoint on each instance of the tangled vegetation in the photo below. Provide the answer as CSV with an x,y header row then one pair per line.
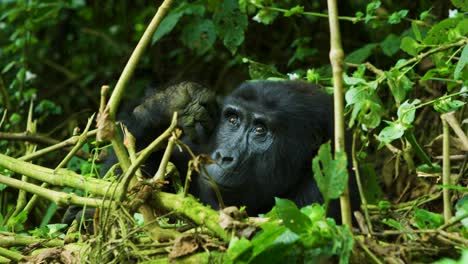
x,y
405,79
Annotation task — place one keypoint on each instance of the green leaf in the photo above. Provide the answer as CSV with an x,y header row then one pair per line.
x,y
424,219
366,106
166,26
239,249
16,223
260,71
315,212
406,111
447,105
297,10
353,80
463,259
360,71
291,216
360,55
462,208
330,174
76,4
393,223
15,118
312,76
372,6
410,46
390,45
9,66
396,17
199,35
371,182
171,20
359,14
426,168
48,107
267,237
301,53
399,84
462,4
439,32
265,16
416,32
283,249
231,24
384,205
370,10
393,131
461,63
440,72
425,14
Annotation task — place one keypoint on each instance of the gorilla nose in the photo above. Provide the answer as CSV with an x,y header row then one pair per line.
x,y
224,159
227,159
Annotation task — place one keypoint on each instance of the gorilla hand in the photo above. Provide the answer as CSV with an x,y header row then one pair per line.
x,y
193,103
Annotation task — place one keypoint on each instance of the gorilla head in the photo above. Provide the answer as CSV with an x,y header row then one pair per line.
x,y
266,137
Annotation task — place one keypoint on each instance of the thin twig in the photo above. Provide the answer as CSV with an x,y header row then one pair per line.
x,y
159,176
453,123
368,251
359,184
137,53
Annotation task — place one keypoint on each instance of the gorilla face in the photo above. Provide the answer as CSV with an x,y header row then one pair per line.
x,y
265,139
243,136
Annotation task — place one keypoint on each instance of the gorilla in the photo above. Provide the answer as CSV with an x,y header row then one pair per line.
x,y
262,139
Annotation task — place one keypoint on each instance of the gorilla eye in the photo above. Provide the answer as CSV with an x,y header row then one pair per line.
x,y
232,119
260,129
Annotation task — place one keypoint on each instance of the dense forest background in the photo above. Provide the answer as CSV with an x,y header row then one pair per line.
x,y
405,79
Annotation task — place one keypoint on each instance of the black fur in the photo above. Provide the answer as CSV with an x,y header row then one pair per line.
x,y
265,136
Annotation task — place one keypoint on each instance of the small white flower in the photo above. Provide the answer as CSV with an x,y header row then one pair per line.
x,y
364,127
464,91
453,13
257,18
293,76
114,29
30,76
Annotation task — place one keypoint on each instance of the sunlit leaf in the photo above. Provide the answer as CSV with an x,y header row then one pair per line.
x,y
297,10
447,105
291,216
406,111
427,220
410,46
393,131
461,63
330,174
265,16
396,17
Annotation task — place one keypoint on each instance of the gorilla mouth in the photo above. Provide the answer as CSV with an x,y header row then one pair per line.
x,y
225,180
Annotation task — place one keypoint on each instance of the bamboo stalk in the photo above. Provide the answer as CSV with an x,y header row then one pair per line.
x,y
336,59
